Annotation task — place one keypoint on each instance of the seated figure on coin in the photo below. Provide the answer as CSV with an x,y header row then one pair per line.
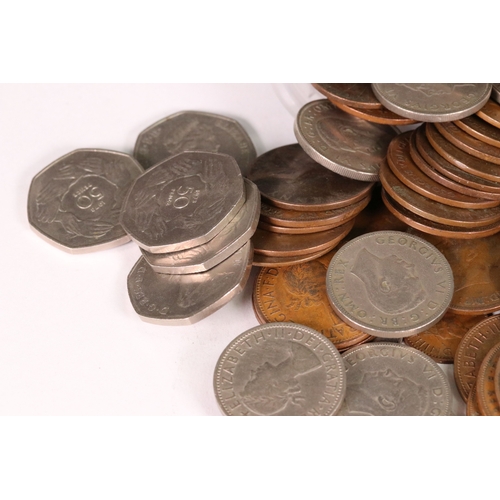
x,y
191,137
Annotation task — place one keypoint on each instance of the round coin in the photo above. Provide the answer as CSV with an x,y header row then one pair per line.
x,y
273,261
490,112
480,129
294,230
472,407
382,116
487,400
359,95
280,369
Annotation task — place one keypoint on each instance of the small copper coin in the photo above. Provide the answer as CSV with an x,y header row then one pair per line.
x,y
272,261
487,400
472,407
359,95
402,165
471,351
294,230
469,144
440,341
382,115
490,112
480,129
289,178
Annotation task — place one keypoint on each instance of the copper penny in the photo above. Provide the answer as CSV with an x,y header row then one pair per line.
x,y
444,172
433,210
469,144
490,112
472,407
497,381
294,230
402,165
440,341
298,294
359,95
289,245
295,218
289,178
480,129
431,227
471,351
487,400
459,158
382,116
271,261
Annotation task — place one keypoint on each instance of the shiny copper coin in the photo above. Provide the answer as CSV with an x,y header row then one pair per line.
x,y
480,129
405,169
459,158
295,218
487,400
447,174
440,341
289,245
298,294
472,407
289,178
272,261
294,230
490,112
359,95
469,144
382,116
431,227
433,210
471,351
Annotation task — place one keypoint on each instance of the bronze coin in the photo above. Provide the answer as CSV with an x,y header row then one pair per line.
x,y
271,261
490,112
444,172
289,245
472,407
469,144
289,178
382,116
298,294
471,351
293,230
359,95
295,218
487,400
433,210
440,341
431,227
402,165
497,381
480,129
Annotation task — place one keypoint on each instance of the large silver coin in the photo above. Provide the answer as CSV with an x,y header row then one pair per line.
x,y
433,102
204,257
389,284
385,379
280,369
184,299
183,202
75,202
194,131
349,146
495,92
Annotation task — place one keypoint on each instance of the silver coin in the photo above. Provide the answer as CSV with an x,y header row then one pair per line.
x,y
75,202
347,145
495,92
194,131
184,299
202,258
389,284
280,369
385,379
433,102
183,202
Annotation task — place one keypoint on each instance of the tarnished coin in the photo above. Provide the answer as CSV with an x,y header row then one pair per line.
x,y
184,299
472,407
183,202
433,102
480,129
471,351
340,142
490,112
440,341
289,178
202,258
386,379
75,202
497,381
274,261
280,369
389,284
495,92
359,95
194,131
298,294
383,116
487,400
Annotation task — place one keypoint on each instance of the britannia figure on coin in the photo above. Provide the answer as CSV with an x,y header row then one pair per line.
x,y
192,136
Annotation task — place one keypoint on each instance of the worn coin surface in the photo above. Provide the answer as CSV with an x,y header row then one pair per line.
x,y
383,116
433,102
480,129
390,284
340,142
386,379
289,178
490,112
472,407
497,381
75,202
280,369
184,299
487,400
359,95
183,202
194,131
